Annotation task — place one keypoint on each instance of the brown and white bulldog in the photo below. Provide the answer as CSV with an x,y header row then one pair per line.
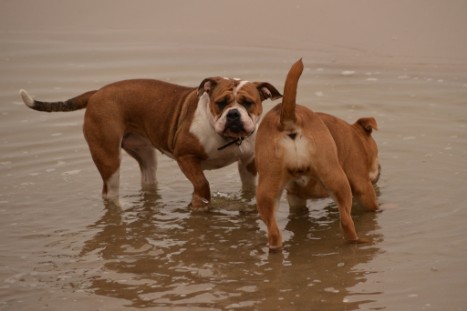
x,y
202,128
313,155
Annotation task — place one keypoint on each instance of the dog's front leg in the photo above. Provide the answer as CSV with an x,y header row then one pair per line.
x,y
247,171
191,167
337,184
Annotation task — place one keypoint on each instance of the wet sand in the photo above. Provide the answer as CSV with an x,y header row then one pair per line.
x,y
60,246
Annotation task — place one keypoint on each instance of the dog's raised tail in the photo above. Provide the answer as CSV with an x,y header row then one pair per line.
x,y
75,103
288,117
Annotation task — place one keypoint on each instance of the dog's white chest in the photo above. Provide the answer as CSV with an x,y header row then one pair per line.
x,y
220,158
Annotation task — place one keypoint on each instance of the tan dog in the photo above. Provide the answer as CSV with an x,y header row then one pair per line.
x,y
202,128
313,155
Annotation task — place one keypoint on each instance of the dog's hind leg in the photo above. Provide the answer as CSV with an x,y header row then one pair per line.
x,y
141,149
338,186
104,144
267,201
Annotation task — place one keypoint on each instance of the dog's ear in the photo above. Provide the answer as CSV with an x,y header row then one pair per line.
x,y
367,124
206,86
267,90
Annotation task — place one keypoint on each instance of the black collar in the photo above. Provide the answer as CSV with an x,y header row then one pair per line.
x,y
237,141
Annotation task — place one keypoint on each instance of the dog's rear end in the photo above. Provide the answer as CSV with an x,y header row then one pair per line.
x,y
294,145
270,154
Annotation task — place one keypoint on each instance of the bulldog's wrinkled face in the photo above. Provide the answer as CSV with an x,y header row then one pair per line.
x,y
235,105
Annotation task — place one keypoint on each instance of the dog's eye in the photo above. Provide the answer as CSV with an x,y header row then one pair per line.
x,y
221,104
247,104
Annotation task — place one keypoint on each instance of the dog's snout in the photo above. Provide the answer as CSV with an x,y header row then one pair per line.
x,y
234,121
233,115
375,178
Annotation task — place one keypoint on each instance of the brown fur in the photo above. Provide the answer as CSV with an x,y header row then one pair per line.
x,y
143,115
312,155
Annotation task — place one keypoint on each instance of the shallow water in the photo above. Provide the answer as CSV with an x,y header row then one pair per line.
x,y
60,245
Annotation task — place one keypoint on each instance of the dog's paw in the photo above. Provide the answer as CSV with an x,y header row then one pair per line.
x,y
275,249
199,204
360,241
275,243
201,209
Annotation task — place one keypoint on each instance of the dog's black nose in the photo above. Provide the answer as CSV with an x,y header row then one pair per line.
x,y
233,115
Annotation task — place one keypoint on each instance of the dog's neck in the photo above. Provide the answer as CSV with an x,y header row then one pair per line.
x,y
237,141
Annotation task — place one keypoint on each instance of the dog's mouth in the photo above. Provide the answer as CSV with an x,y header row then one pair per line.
x,y
234,126
234,138
234,130
375,179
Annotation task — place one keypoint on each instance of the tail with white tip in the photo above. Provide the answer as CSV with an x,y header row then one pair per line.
x,y
75,103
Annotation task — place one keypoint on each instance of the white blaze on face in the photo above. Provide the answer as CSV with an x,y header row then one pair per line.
x,y
239,86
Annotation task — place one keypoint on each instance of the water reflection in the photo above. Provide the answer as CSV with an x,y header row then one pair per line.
x,y
156,254
319,268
